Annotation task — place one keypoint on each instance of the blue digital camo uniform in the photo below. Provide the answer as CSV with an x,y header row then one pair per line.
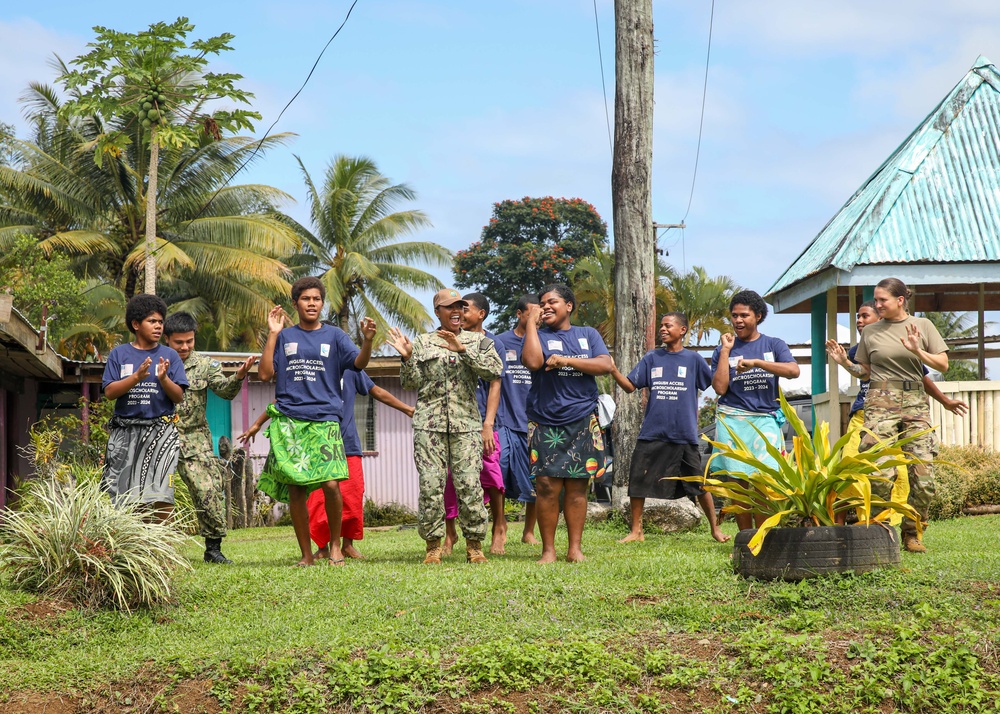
x,y
447,427
201,469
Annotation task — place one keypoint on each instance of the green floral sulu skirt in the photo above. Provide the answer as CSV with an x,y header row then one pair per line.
x,y
573,450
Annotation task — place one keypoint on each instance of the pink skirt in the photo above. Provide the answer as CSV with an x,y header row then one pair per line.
x,y
489,477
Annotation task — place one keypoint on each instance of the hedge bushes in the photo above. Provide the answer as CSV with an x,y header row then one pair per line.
x,y
965,476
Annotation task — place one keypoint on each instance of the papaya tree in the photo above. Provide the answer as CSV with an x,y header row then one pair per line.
x,y
154,85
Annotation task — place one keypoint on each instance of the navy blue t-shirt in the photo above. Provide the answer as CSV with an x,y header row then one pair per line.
x,y
308,365
757,390
562,396
859,402
516,383
146,400
673,380
354,383
483,387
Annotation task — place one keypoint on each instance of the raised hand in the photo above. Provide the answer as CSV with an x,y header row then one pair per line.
x,y
276,318
400,342
143,370
836,351
912,339
245,367
534,314
728,340
368,328
161,368
451,341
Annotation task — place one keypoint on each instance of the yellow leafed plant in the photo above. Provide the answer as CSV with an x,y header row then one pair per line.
x,y
811,485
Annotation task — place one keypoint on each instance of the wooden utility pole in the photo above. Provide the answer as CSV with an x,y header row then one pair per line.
x,y
631,196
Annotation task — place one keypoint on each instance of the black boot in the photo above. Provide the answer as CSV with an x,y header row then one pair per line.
x,y
213,552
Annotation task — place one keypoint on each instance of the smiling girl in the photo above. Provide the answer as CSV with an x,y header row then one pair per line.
x,y
746,367
565,441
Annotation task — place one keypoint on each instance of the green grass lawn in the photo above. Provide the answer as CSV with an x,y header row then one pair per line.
x,y
657,626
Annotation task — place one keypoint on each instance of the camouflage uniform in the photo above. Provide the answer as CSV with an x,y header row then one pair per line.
x,y
897,409
447,427
201,469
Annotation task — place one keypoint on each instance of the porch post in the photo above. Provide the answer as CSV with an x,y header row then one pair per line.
x,y
833,379
982,331
817,360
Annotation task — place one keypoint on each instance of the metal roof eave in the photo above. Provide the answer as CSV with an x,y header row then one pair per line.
x,y
961,275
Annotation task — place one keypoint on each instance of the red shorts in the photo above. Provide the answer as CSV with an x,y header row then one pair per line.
x,y
353,492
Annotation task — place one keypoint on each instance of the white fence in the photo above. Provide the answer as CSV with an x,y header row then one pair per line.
x,y
981,426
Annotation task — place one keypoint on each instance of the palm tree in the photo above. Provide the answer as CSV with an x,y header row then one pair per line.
x,y
704,300
355,248
220,248
593,284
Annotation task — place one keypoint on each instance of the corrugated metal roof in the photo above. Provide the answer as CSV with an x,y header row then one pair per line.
x,y
936,199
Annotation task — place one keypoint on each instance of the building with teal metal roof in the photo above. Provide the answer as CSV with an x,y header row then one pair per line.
x,y
929,215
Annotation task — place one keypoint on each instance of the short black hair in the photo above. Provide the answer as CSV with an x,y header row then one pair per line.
x,y
179,322
479,300
870,304
525,300
309,282
753,301
679,316
560,289
142,306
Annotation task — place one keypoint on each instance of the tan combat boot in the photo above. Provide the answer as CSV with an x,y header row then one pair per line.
x,y
912,544
433,552
474,551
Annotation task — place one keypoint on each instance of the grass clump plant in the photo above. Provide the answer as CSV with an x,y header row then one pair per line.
x,y
70,543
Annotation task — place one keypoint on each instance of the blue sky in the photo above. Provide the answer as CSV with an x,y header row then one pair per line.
x,y
473,102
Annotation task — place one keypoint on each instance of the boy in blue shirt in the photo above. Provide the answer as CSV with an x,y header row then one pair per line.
x,y
146,379
668,439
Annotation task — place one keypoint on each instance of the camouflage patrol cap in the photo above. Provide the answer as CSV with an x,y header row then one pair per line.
x,y
447,297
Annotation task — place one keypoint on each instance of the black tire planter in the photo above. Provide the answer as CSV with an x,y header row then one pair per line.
x,y
799,553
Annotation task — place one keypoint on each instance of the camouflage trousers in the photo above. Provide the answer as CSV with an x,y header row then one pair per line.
x,y
203,477
435,452
892,412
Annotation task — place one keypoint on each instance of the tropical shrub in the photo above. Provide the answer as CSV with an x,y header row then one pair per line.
x,y
71,543
964,476
811,485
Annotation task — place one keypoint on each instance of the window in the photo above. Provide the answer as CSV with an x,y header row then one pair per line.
x,y
364,419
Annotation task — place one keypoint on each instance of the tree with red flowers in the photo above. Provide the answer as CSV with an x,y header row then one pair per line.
x,y
528,244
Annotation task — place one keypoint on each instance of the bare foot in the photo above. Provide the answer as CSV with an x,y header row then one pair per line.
x,y
351,552
575,556
633,536
548,557
497,543
305,562
529,538
322,554
720,536
447,546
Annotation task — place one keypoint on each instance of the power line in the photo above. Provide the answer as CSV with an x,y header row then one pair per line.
x,y
604,88
701,122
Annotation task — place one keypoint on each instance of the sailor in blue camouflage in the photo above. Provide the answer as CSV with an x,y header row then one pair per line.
x,y
444,367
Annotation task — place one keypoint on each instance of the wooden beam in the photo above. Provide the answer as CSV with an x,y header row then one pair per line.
x,y
982,331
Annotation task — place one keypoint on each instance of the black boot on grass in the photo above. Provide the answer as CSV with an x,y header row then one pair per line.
x,y
213,552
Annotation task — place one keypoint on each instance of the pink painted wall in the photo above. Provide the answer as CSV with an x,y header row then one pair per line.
x,y
390,474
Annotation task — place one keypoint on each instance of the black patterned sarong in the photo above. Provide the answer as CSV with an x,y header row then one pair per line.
x,y
141,460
